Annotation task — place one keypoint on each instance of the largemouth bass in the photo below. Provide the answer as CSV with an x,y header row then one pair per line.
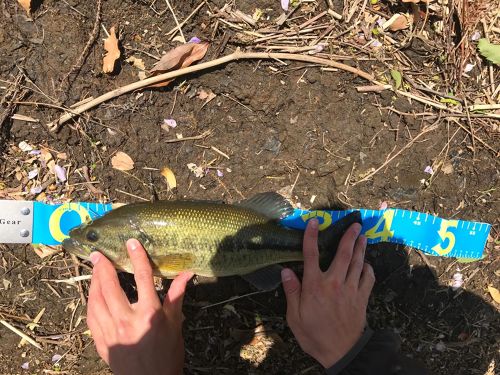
x,y
207,238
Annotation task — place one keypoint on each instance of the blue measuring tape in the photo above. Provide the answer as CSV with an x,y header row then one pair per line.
x,y
428,233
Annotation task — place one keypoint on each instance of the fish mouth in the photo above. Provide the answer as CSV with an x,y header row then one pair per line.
x,y
74,247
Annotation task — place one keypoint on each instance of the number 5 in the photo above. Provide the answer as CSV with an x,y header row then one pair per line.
x,y
444,234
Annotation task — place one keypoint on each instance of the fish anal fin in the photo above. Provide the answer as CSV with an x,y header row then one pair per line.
x,y
267,278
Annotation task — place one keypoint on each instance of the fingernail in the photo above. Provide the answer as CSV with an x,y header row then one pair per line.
x,y
132,244
314,223
94,257
357,228
286,275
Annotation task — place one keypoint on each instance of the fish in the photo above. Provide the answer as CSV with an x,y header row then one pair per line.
x,y
208,238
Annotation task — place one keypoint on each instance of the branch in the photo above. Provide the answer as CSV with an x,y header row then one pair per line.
x,y
238,55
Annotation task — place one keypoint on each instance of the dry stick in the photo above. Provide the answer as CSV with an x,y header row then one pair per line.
x,y
79,284
93,36
408,145
176,21
238,55
21,334
175,29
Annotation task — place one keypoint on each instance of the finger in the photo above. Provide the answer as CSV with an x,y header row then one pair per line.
x,y
367,281
292,288
175,296
312,271
98,316
113,294
338,268
97,335
357,262
143,274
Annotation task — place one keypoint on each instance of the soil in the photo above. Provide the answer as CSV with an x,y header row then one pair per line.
x,y
290,125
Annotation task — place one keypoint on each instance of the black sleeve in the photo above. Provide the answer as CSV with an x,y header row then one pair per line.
x,y
377,353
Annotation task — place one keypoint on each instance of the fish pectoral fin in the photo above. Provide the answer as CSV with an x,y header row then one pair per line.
x,y
270,204
175,263
267,278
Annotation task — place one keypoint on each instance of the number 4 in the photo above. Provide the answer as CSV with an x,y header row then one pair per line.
x,y
386,232
444,234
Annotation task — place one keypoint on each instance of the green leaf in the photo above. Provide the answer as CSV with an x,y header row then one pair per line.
x,y
449,100
490,51
397,77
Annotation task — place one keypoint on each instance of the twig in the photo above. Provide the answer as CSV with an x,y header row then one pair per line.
x,y
234,299
66,83
235,56
176,21
408,145
79,282
21,334
174,30
193,138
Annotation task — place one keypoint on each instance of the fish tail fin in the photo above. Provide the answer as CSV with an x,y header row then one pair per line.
x,y
329,239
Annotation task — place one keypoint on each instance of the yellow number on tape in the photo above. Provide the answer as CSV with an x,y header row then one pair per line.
x,y
444,234
55,219
327,218
386,232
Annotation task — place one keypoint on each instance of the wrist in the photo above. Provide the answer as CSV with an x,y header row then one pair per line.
x,y
335,364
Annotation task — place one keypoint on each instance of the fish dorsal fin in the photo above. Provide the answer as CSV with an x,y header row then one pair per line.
x,y
270,204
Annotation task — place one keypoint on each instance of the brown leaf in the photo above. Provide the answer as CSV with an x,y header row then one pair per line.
x,y
113,52
397,22
26,4
495,294
170,177
122,161
180,57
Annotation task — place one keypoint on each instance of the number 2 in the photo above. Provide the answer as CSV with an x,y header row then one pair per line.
x,y
444,234
386,232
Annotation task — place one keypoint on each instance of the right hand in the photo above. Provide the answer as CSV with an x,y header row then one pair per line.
x,y
327,313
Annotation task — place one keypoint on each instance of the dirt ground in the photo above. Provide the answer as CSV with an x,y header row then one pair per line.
x,y
280,126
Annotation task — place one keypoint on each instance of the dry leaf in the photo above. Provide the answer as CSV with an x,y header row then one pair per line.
x,y
44,251
179,57
122,161
447,168
26,4
495,294
113,52
397,22
138,63
170,177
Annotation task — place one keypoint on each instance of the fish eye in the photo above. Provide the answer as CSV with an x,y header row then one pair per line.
x,y
92,236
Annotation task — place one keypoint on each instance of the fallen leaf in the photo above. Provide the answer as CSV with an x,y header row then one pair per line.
x,y
206,95
489,51
447,168
397,77
136,62
26,4
113,52
397,22
44,251
122,161
177,58
495,294
170,177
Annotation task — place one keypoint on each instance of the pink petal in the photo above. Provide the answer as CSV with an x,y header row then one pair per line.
x,y
170,122
194,39
219,173
285,4
429,170
32,174
60,172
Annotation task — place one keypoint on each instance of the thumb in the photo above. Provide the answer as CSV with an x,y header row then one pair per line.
x,y
172,304
292,287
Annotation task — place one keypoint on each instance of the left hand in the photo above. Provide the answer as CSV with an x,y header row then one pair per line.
x,y
140,338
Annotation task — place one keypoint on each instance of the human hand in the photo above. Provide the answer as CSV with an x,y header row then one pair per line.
x,y
139,338
327,313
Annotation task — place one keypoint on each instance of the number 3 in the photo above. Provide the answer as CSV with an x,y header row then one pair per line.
x,y
444,234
